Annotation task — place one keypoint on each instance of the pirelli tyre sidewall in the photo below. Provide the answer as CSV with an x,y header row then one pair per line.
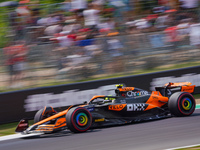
x,y
181,104
44,113
78,119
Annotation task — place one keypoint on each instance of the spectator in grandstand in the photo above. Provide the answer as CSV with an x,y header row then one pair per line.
x,y
53,29
23,17
12,22
147,5
66,6
65,40
71,25
44,21
161,21
172,37
12,17
151,21
165,19
107,24
194,34
23,11
190,7
164,4
143,25
51,19
99,3
188,4
9,55
115,52
91,17
35,16
78,6
171,17
16,62
85,38
121,7
181,15
114,45
183,29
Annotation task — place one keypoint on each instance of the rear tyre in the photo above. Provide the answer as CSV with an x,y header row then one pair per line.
x,y
78,119
44,113
181,104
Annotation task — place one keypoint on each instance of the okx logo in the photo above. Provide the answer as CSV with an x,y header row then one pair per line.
x,y
136,107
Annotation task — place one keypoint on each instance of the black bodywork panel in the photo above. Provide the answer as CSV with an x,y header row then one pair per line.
x,y
124,110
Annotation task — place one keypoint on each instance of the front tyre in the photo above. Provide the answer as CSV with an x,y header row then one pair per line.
x,y
44,113
78,119
181,104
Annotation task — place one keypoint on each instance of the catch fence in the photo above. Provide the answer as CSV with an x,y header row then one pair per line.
x,y
137,52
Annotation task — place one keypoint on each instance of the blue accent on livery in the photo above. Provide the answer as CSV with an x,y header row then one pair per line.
x,y
90,109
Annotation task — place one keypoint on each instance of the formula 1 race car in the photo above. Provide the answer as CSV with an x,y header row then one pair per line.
x,y
130,104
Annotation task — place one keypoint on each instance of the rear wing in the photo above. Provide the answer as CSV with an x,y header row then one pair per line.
x,y
169,88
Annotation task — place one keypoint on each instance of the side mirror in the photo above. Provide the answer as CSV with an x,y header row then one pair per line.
x,y
85,102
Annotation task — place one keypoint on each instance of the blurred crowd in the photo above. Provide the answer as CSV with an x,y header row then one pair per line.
x,y
75,27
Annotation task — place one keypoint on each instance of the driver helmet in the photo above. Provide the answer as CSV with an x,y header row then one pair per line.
x,y
117,91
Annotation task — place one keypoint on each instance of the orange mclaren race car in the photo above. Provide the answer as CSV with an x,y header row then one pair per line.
x,y
130,104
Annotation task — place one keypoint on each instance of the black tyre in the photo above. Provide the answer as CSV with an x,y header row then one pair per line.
x,y
44,113
78,119
181,104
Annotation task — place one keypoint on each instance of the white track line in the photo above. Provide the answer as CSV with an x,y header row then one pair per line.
x,y
183,147
17,135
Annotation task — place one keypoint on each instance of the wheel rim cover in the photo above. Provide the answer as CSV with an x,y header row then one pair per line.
x,y
81,119
186,104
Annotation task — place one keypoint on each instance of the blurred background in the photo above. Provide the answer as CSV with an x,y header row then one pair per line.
x,y
51,42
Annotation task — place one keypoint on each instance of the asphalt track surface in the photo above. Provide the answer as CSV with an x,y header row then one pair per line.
x,y
153,135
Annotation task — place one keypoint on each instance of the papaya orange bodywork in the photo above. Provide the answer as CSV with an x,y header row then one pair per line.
x,y
126,89
45,128
156,100
189,89
61,122
54,116
185,86
180,84
44,110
